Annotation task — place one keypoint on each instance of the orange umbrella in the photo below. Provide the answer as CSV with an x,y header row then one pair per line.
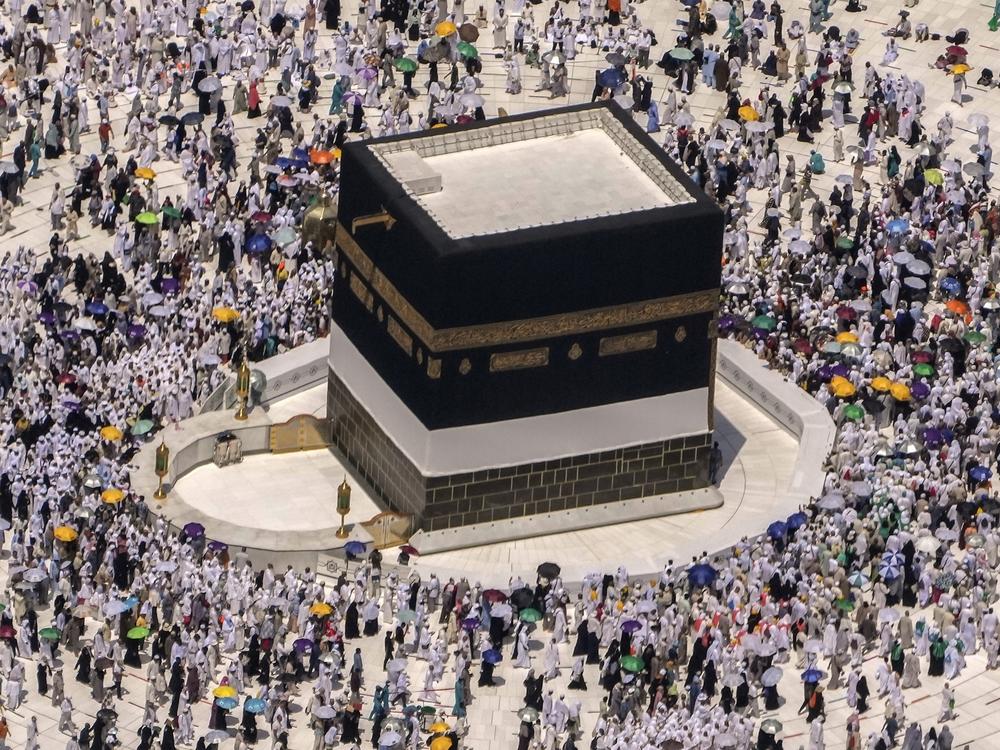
x,y
881,384
321,157
900,391
748,113
846,337
445,28
957,306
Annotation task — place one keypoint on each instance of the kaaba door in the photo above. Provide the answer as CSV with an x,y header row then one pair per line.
x,y
302,433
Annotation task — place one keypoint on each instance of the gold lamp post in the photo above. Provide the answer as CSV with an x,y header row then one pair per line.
x,y
343,506
243,389
160,468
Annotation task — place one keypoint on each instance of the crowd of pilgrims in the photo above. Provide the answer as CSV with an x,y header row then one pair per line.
x,y
881,302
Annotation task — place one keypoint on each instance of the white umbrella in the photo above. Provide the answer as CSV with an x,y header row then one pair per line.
x,y
831,501
927,544
813,646
732,679
771,676
159,311
799,247
845,179
978,120
974,169
728,124
902,258
167,566
152,298
888,615
281,101
945,534
85,324
210,84
767,649
756,126
684,119
643,607
792,233
721,11
388,739
919,267
34,575
472,100
114,608
501,610
325,712
858,579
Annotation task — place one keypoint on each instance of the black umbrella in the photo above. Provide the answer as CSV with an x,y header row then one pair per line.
x,y
102,664
193,118
247,5
548,570
106,714
522,598
169,120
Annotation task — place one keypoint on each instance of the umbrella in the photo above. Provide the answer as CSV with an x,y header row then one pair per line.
x,y
147,218
284,236
34,575
170,212
472,100
900,392
888,614
445,28
975,541
611,78
194,530
406,615
501,610
812,675
321,609
844,87
387,739
405,64
934,176
225,691
113,608
302,645
137,633
764,323
255,706
957,306
216,735
615,58
631,626
683,53
894,558
112,433
84,610
259,243
771,726
142,426
924,370
771,676
548,570
354,547
280,101
227,704
897,225
979,474
853,412
530,615
409,549
888,572
441,743
528,715
974,169
701,574
465,49
470,624
325,712
145,173
112,495
960,68
65,534
49,634
494,596
192,118
858,579
797,520
951,285
632,664
492,656
225,314
439,727
468,32
974,337
777,530
748,113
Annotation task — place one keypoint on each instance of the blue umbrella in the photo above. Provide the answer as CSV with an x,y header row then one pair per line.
x,y
812,676
492,656
888,571
796,520
897,225
227,703
951,285
702,574
255,706
131,602
300,154
894,559
777,530
97,308
259,243
354,548
470,624
612,78
283,162
979,473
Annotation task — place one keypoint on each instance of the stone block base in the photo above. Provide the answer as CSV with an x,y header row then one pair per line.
x,y
500,493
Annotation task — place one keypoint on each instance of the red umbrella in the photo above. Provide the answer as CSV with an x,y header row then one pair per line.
x,y
409,550
802,346
846,312
7,631
66,377
957,51
922,357
494,595
262,216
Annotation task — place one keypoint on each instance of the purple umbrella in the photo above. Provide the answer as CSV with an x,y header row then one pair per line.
x,y
69,334
218,546
726,322
824,373
194,530
920,390
302,645
136,331
841,370
47,318
97,308
352,97
492,656
470,624
27,286
170,285
631,626
932,437
368,74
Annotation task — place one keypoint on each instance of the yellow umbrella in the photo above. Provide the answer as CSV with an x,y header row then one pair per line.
x,y
445,28
112,495
881,384
321,608
748,113
439,726
438,125
64,534
960,68
225,314
110,432
145,173
846,337
441,743
225,691
842,387
900,391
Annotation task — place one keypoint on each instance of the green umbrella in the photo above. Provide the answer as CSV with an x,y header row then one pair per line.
x,y
284,236
845,605
854,412
934,176
764,322
147,217
632,664
49,634
530,615
975,337
924,370
137,634
467,50
142,426
681,53
845,243
172,212
405,64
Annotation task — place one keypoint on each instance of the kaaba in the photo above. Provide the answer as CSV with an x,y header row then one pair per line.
x,y
523,317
